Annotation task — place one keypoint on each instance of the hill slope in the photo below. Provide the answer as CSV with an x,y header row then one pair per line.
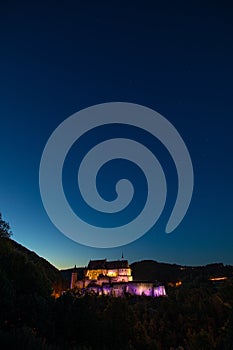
x,y
25,271
153,270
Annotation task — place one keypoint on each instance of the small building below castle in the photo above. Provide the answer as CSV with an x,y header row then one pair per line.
x,y
113,278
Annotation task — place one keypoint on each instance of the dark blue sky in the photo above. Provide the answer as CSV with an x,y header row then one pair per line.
x,y
175,58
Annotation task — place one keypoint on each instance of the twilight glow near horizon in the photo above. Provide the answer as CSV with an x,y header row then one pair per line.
x,y
177,60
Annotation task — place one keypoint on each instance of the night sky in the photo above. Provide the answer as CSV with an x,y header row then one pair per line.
x,y
176,58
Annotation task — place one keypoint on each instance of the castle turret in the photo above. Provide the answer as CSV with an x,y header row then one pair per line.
x,y
74,277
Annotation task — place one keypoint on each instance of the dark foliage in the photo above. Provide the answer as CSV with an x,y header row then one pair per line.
x,y
5,230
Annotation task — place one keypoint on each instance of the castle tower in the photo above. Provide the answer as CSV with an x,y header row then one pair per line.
x,y
74,277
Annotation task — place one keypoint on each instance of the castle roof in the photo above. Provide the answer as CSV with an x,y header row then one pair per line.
x,y
118,264
97,264
107,265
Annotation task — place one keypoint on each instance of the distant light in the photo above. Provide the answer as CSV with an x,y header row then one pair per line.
x,y
218,278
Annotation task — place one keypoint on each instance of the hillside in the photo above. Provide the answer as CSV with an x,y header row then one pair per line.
x,y
25,271
153,270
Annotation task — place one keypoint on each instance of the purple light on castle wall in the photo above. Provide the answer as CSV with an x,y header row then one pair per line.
x,y
140,288
107,290
159,291
137,288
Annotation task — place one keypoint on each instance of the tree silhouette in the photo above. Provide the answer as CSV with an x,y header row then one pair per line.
x,y
5,230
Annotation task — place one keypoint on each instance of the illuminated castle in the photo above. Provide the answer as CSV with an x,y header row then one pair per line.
x,y
113,278
116,271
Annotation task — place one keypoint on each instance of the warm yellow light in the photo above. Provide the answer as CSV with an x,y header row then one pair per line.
x,y
178,283
218,278
112,274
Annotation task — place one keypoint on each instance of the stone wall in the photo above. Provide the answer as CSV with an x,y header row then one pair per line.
x,y
140,288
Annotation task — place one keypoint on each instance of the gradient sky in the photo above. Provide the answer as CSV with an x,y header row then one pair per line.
x,y
175,58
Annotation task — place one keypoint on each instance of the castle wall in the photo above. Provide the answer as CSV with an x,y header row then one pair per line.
x,y
159,291
112,273
93,274
102,280
124,272
118,290
120,279
140,288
